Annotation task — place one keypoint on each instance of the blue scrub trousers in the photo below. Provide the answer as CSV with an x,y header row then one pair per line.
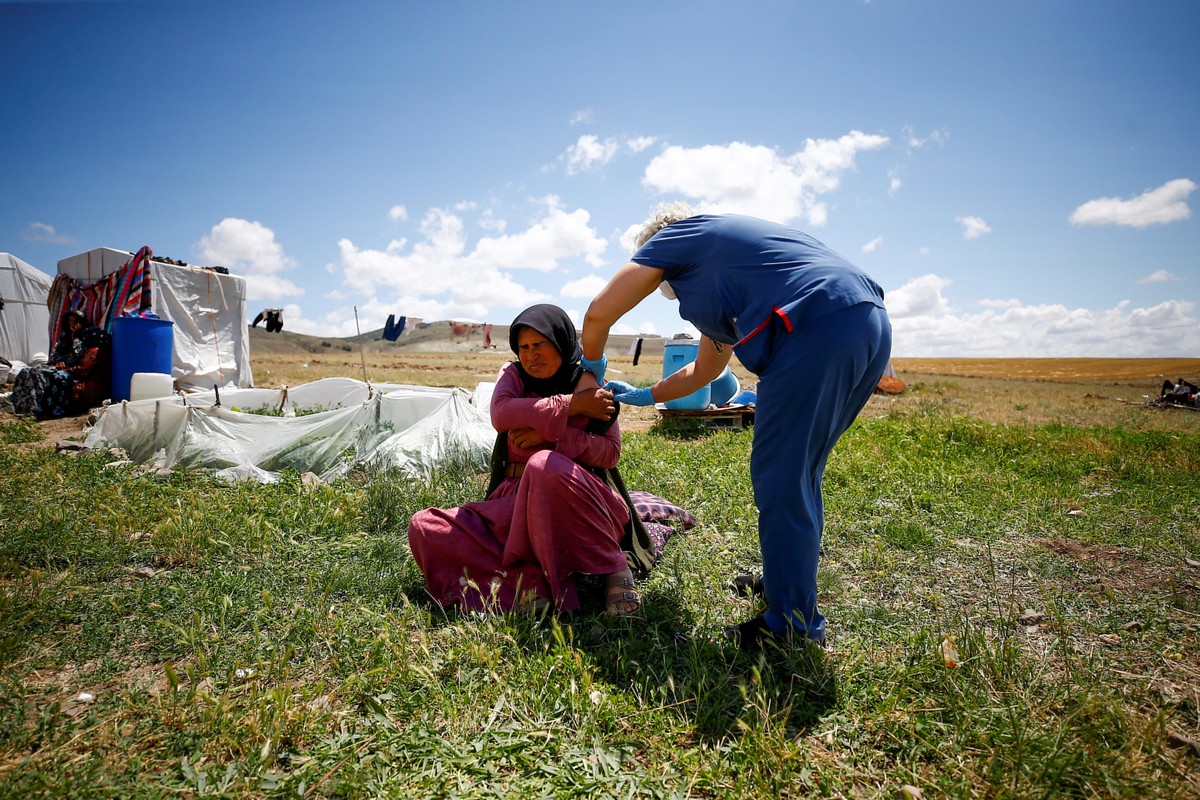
x,y
817,379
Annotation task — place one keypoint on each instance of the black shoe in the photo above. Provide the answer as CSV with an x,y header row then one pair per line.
x,y
748,586
753,635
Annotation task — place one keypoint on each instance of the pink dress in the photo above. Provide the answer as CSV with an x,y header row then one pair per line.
x,y
535,532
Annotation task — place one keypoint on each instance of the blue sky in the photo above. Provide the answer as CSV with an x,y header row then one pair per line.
x,y
1018,176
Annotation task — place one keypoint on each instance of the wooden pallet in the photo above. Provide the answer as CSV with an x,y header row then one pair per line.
x,y
716,418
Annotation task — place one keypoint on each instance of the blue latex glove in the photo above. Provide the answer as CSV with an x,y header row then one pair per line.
x,y
619,387
637,397
597,368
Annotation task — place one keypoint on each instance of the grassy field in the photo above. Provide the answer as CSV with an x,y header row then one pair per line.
x,y
1011,570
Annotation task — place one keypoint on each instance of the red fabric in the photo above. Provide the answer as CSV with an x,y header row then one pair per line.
x,y
89,379
536,532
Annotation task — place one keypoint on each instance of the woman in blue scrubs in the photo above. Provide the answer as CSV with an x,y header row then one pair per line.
x,y
810,325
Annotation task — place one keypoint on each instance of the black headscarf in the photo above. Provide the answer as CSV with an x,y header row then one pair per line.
x,y
69,341
553,323
65,334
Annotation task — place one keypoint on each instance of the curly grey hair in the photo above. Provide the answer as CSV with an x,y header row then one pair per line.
x,y
664,214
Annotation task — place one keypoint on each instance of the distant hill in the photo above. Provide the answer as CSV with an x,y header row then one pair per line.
x,y
426,337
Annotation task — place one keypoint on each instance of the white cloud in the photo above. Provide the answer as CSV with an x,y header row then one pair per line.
x,y
589,152
973,227
582,117
1160,276
588,286
760,181
270,287
915,142
628,239
442,274
542,246
249,249
41,232
639,143
1010,303
490,222
920,296
1167,203
893,184
873,245
925,325
398,212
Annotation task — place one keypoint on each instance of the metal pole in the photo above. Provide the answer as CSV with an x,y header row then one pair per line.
x,y
361,354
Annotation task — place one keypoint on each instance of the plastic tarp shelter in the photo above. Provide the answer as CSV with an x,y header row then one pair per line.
x,y
211,340
24,317
325,427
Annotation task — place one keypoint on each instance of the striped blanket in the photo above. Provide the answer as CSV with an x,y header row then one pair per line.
x,y
125,292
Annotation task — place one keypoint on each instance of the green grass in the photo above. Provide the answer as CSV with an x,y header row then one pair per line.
x,y
276,641
18,430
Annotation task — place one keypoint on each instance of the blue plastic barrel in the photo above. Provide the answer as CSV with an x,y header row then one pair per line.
x,y
724,387
139,344
678,353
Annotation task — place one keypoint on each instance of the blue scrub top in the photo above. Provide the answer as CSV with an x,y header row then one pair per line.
x,y
736,275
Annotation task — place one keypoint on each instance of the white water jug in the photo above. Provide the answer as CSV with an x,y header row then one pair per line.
x,y
149,385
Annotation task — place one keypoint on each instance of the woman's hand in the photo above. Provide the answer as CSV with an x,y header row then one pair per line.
x,y
526,438
594,403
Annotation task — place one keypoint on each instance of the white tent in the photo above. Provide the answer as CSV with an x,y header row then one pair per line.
x,y
24,317
324,427
208,309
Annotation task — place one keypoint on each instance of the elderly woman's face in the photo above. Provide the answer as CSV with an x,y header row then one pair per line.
x,y
538,355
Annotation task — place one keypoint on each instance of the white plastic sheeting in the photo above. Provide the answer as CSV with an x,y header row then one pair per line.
x,y
211,337
24,317
325,427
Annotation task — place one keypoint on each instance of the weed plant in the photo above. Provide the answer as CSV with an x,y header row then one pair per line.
x,y
1013,613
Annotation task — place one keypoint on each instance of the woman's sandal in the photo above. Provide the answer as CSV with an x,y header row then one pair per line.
x,y
619,594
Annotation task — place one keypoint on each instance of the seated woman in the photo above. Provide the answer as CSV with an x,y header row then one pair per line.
x,y
551,518
76,377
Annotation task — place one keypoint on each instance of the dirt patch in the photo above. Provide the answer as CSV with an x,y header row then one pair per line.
x,y
1115,567
52,431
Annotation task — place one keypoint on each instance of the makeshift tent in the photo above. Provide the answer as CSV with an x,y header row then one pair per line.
x,y
24,318
208,308
325,427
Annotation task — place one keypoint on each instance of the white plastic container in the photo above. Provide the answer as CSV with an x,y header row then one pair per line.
x,y
149,385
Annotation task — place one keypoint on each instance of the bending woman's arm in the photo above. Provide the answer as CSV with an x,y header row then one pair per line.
x,y
626,289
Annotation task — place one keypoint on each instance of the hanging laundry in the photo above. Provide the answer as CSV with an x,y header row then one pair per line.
x,y
635,350
393,329
274,318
